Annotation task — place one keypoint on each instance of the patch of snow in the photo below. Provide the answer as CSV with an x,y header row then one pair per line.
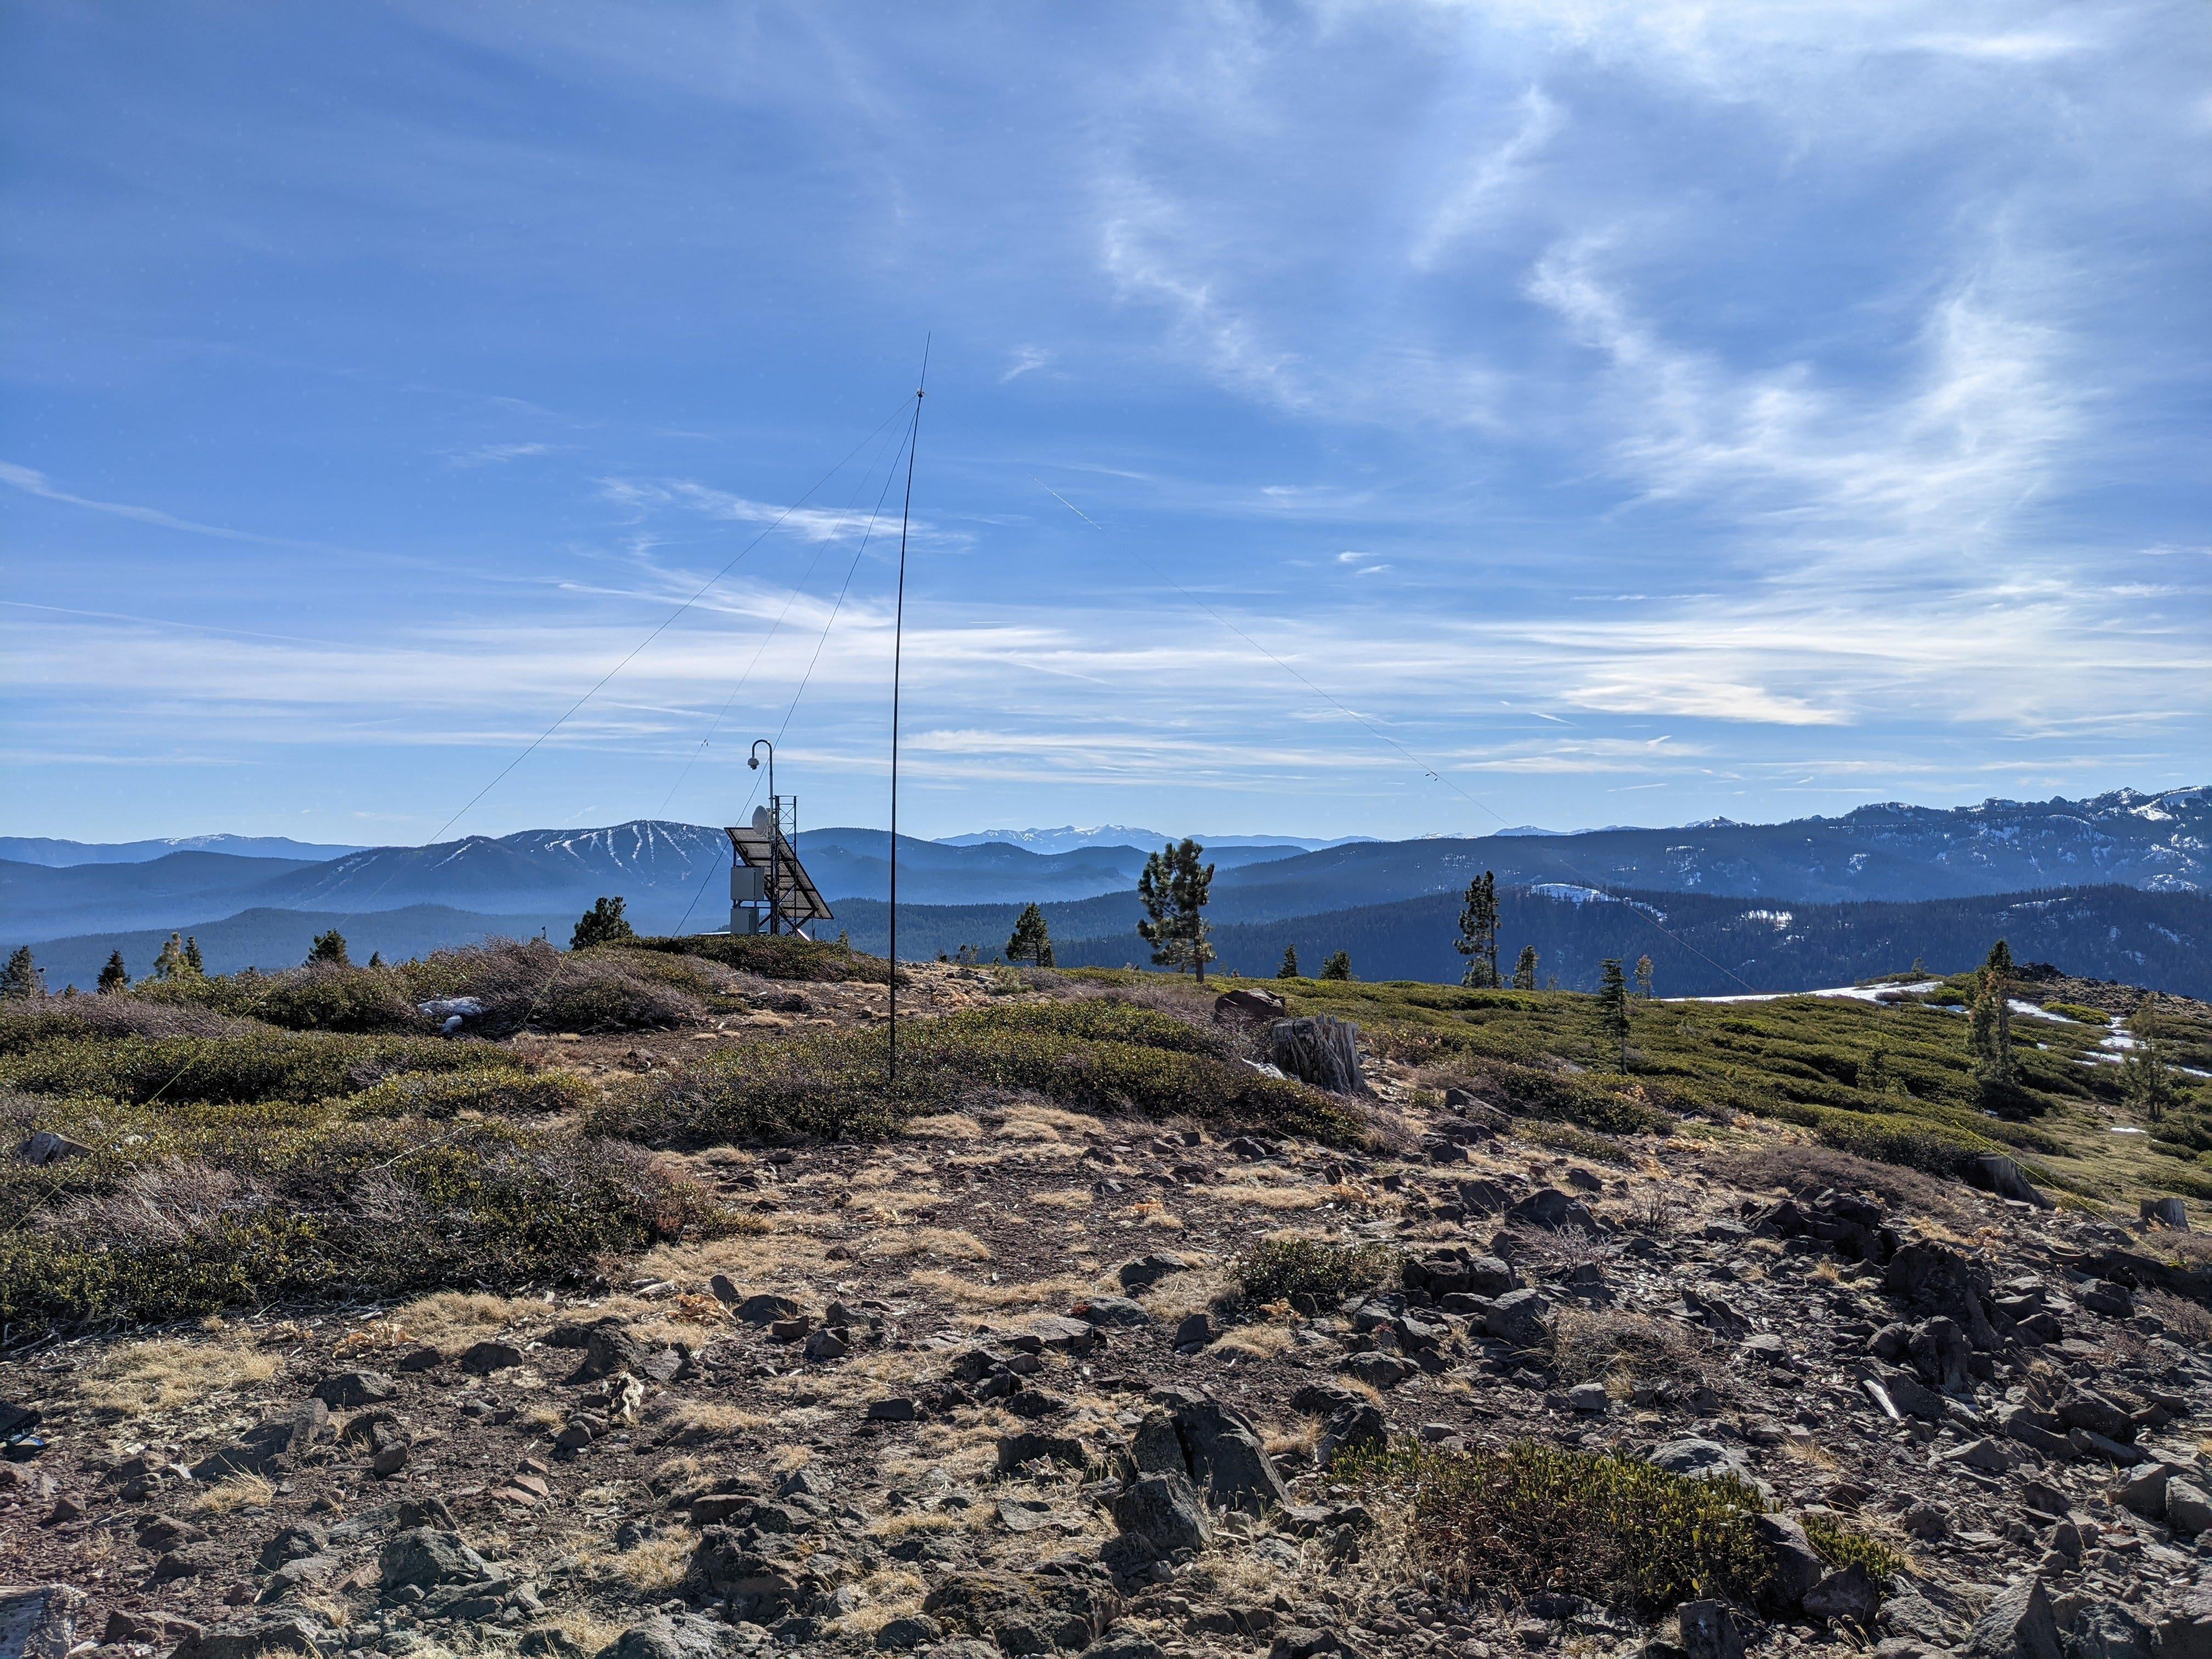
x,y
1850,993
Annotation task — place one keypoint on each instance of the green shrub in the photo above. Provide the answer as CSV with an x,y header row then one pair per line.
x,y
263,1065
2088,1016
530,985
1277,1269
1577,1142
1569,1097
1841,1547
25,1024
328,998
485,1093
1501,1526
779,955
318,1210
1096,1056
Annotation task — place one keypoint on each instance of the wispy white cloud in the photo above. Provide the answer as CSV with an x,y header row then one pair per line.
x,y
1026,360
1490,178
495,454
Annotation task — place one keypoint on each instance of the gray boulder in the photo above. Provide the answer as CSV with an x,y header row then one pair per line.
x,y
682,1636
37,1621
1222,1453
2186,1633
1849,1597
2019,1624
2106,1630
1147,1271
350,1391
1941,1353
1517,1317
1115,1310
2187,1508
1700,1459
291,1634
1156,1449
1055,1607
423,1556
1797,1566
1165,1509
1708,1630
1550,1208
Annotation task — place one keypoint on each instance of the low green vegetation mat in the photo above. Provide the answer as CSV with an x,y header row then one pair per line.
x,y
178,1210
777,956
260,1065
1893,1083
1504,1525
1277,1269
1096,1055
1508,1524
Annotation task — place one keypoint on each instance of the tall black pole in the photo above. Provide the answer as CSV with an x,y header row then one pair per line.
x,y
898,652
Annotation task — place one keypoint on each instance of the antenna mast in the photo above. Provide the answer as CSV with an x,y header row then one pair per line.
x,y
898,650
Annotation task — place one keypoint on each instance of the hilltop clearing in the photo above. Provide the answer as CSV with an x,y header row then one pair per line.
x,y
654,1319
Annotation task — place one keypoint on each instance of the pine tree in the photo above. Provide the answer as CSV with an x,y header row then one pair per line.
x,y
1339,966
1174,889
1032,938
376,958
329,950
2146,1082
1477,931
1643,977
194,962
1612,1004
114,977
1989,1023
1289,968
22,979
176,960
1524,971
602,924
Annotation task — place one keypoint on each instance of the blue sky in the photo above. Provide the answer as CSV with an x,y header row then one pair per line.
x,y
1382,419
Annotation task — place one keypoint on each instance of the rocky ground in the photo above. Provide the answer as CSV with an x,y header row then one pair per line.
x,y
992,1389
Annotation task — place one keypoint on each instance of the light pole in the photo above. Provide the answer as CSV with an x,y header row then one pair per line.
x,y
775,821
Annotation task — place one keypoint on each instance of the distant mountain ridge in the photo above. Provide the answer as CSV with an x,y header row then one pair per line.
x,y
1700,944
1069,838
674,875
58,854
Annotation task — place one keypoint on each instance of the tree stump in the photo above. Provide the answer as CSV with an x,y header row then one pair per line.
x,y
1320,1049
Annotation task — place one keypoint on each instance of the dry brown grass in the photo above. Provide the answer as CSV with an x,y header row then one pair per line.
x,y
697,1422
586,1632
239,1491
1620,1348
1264,1197
1813,1452
968,1293
952,1243
1175,1298
453,1318
946,1126
1046,1123
776,1260
2186,1320
1151,1213
1297,1443
143,1379
1258,1341
655,1567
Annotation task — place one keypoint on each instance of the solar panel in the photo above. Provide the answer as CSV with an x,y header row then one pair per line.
x,y
767,868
